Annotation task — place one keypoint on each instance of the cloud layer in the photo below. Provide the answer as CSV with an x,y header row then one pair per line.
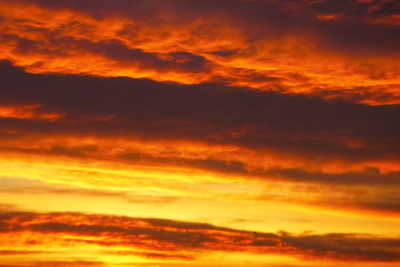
x,y
259,115
183,240
345,49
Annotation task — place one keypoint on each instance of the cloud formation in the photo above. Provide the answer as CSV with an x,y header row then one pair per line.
x,y
205,112
296,139
185,239
250,114
291,47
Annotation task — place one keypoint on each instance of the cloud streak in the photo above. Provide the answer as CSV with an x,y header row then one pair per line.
x,y
206,112
188,238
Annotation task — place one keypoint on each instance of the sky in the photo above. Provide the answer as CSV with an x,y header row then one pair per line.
x,y
199,133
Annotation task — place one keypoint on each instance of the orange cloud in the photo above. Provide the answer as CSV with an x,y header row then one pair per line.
x,y
287,53
184,240
27,112
181,132
248,114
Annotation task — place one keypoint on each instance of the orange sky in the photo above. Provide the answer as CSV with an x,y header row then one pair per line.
x,y
199,133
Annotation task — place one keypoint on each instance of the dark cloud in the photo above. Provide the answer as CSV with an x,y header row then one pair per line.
x,y
369,177
167,235
291,124
389,204
357,94
355,9
347,246
362,39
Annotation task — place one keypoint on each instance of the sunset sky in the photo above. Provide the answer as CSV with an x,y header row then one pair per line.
x,y
177,133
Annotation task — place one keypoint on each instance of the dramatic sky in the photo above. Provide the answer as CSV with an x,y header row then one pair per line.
x,y
199,133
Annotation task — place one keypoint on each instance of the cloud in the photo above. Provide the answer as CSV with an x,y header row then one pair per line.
x,y
346,246
369,177
209,113
311,134
260,19
187,238
264,45
239,101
